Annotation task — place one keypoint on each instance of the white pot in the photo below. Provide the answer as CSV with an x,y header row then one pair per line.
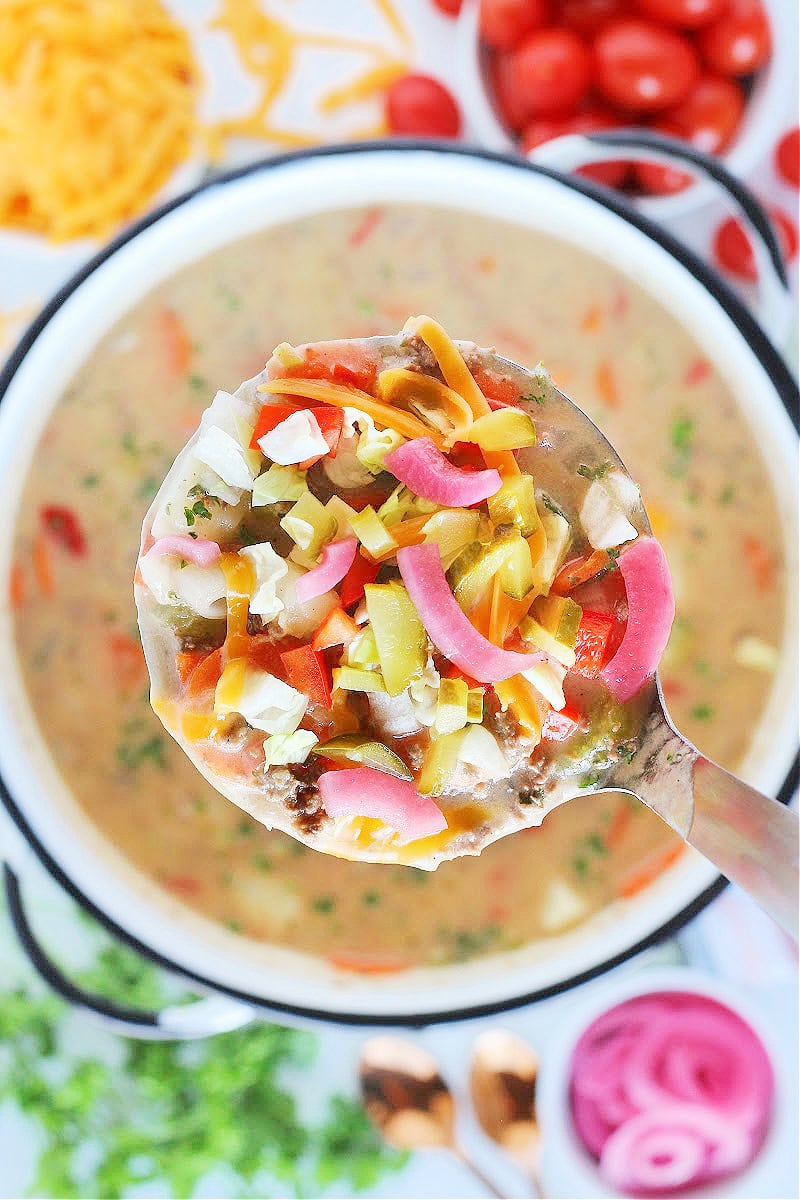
x,y
278,980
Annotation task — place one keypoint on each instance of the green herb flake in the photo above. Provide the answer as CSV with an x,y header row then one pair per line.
x,y
132,754
727,494
128,442
590,780
682,434
552,507
597,472
262,862
147,488
702,712
233,924
371,898
323,904
245,828
197,383
90,481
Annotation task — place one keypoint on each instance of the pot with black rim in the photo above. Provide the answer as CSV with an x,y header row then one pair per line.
x,y
247,979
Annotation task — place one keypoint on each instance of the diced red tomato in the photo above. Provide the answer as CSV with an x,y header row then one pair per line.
x,y
361,572
307,672
205,675
787,157
265,653
591,647
643,67
331,422
64,527
739,42
560,725
499,392
340,362
420,105
504,23
338,629
271,416
187,660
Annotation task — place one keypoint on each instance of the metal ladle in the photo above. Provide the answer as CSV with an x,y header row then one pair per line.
x,y
409,1102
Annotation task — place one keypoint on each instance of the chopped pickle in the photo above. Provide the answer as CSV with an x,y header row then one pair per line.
x,y
244,434
515,504
372,533
439,764
356,679
451,706
452,529
531,631
357,747
504,429
553,627
475,705
363,650
342,514
476,565
548,678
309,524
516,573
287,356
399,634
559,535
403,504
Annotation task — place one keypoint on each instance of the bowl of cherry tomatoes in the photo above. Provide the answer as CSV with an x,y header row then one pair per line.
x,y
713,73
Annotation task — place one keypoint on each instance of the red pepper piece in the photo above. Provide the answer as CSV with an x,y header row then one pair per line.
x,y
341,363
331,422
362,571
64,527
591,646
307,672
560,725
270,416
338,629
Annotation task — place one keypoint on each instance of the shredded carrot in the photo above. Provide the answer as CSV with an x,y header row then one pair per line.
x,y
592,319
640,877
16,585
42,566
175,340
487,264
498,616
606,384
580,570
368,964
697,371
760,562
343,396
619,824
366,226
520,696
517,609
128,659
481,613
183,885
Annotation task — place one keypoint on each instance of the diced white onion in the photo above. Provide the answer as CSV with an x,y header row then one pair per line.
x,y
201,589
268,568
604,522
224,455
294,440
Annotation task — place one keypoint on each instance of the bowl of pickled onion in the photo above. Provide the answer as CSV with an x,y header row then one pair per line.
x,y
665,1085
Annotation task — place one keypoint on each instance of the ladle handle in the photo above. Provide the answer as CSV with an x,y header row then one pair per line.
x,y
751,838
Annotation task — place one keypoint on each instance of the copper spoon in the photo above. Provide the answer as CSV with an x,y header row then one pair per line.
x,y
409,1102
503,1077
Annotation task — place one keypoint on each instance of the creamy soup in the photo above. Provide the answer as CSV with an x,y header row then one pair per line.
x,y
115,431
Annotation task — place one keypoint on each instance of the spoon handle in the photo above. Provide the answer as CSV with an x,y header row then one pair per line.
x,y
467,1161
751,839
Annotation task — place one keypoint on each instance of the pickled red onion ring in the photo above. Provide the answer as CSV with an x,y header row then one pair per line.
x,y
335,562
651,611
670,1090
364,792
200,551
424,469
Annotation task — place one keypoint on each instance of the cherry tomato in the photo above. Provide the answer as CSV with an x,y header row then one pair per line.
x,y
687,14
787,157
710,115
588,17
451,8
733,251
739,42
658,180
591,120
419,104
504,23
547,75
643,67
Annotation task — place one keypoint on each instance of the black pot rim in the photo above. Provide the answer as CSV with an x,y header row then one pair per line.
x,y
750,330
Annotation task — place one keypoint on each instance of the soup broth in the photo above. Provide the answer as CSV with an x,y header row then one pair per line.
x,y
348,273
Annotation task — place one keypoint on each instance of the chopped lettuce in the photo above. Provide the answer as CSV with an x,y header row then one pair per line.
x,y
268,568
284,748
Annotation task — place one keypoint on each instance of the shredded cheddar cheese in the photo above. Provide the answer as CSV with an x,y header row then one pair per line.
x,y
97,109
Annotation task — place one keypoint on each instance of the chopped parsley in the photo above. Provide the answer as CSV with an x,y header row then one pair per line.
x,y
463,944
552,507
245,828
323,904
371,898
234,925
535,398
147,488
587,850
727,495
627,751
262,862
702,712
597,472
198,509
132,753
682,434
590,779
128,442
90,481
197,383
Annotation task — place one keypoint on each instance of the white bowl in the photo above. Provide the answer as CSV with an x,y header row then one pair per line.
x,y
770,106
569,1170
276,979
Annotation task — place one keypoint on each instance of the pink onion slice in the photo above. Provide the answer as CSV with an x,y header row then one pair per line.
x,y
672,1146
420,466
651,610
335,562
196,550
364,792
446,623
